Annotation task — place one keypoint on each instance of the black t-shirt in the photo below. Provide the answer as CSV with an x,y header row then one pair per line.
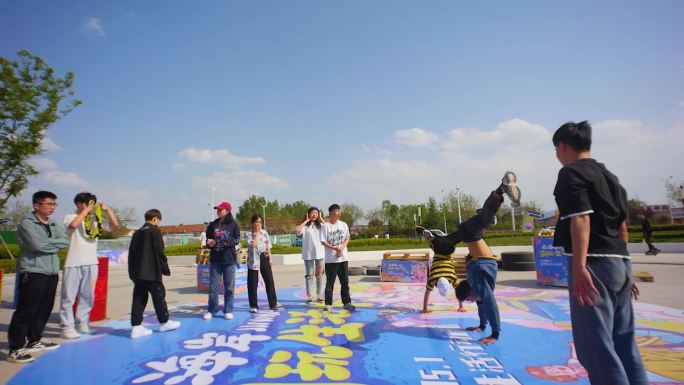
x,y
587,187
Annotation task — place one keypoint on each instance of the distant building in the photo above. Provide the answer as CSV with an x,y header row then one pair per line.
x,y
183,229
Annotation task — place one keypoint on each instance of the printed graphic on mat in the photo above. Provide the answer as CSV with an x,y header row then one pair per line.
x,y
386,340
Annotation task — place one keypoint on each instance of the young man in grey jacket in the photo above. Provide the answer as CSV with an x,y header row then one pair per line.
x,y
38,266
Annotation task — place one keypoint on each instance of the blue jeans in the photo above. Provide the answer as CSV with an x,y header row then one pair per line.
x,y
215,272
604,333
482,279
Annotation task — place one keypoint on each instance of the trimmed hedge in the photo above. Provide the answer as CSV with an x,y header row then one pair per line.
x,y
10,265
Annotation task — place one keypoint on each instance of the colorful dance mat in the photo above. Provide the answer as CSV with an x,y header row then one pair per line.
x,y
386,340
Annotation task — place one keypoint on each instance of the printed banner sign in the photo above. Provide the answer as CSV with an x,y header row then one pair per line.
x,y
550,263
392,270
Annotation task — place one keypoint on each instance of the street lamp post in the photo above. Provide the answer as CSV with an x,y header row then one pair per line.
x,y
444,210
458,197
458,203
513,216
263,210
211,205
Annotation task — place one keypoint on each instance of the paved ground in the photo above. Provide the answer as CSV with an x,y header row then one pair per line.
x,y
668,270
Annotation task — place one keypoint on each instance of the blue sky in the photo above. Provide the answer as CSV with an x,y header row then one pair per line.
x,y
359,101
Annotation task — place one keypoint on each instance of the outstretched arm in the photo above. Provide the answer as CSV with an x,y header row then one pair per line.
x,y
425,301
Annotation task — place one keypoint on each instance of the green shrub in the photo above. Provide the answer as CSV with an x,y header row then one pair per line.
x,y
13,248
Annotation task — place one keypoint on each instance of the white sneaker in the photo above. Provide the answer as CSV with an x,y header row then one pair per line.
x,y
169,325
253,310
70,334
228,316
207,315
140,331
84,329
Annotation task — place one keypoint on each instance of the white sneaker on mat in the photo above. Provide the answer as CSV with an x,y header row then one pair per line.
x,y
140,331
169,325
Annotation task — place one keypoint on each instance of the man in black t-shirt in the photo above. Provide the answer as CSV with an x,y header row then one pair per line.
x,y
592,231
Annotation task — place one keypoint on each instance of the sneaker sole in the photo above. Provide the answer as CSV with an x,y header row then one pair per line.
x,y
509,178
36,350
15,361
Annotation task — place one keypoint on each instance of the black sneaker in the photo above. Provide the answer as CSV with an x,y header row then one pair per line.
x,y
39,346
19,356
349,306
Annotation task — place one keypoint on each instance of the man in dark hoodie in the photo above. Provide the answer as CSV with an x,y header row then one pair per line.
x,y
146,265
223,234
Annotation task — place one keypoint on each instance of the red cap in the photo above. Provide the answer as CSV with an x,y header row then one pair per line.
x,y
223,205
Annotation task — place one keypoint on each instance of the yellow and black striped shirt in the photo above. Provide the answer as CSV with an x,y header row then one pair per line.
x,y
442,266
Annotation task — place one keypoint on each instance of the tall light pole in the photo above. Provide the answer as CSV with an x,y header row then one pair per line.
x,y
513,216
458,203
211,205
444,210
458,197
263,210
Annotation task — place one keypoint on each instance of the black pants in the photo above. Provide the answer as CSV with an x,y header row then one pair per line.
x,y
253,283
473,228
647,239
140,294
340,270
36,299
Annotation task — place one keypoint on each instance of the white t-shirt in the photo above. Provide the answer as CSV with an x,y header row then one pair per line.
x,y
82,249
311,243
335,234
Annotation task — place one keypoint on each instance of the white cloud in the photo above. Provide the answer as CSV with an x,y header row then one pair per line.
x,y
415,137
639,155
475,160
49,144
179,166
236,186
514,132
681,104
93,27
66,179
377,151
219,157
42,163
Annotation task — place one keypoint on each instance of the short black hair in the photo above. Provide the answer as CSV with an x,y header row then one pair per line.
x,y
40,196
151,214
334,206
462,290
84,197
576,135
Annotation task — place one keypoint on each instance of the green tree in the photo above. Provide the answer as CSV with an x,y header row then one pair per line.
x,y
127,219
32,98
13,213
295,210
351,213
253,205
